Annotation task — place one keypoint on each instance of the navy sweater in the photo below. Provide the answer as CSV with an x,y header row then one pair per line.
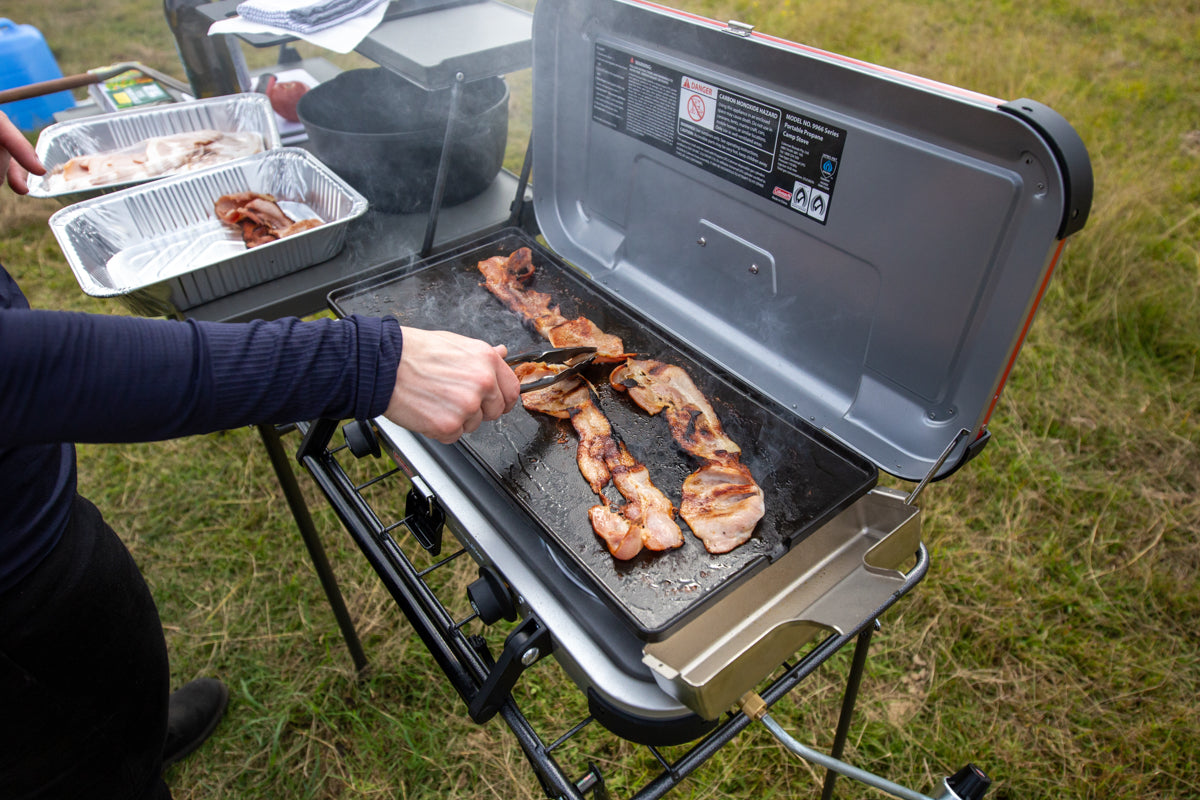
x,y
70,377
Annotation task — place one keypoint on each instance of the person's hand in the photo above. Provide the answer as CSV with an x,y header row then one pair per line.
x,y
17,156
447,384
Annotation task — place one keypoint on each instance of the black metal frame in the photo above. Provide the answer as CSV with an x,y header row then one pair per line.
x,y
485,682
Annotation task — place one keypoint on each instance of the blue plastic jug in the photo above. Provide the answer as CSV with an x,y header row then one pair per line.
x,y
25,58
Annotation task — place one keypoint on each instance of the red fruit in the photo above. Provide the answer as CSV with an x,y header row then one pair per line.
x,y
284,96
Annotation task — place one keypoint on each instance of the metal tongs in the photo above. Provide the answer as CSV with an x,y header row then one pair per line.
x,y
575,358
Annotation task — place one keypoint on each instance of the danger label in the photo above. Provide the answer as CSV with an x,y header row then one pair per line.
x,y
698,103
788,157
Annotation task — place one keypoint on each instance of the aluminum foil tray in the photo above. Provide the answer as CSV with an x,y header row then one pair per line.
x,y
59,143
160,248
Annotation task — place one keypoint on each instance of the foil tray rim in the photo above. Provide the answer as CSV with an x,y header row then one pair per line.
x,y
170,295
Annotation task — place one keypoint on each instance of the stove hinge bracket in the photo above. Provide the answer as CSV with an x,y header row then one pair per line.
x,y
424,516
958,437
742,29
528,643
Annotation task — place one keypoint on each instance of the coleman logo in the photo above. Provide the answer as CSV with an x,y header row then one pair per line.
x,y
696,86
782,194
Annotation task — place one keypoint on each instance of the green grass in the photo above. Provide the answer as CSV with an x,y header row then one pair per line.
x,y
1054,640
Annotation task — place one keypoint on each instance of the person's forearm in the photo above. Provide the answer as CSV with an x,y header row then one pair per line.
x,y
92,378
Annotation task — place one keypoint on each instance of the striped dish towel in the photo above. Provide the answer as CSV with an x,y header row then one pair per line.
x,y
303,16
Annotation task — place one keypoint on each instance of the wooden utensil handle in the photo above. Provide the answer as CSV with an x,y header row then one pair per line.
x,y
48,87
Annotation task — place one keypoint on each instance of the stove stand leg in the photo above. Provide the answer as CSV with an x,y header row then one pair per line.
x,y
308,531
853,680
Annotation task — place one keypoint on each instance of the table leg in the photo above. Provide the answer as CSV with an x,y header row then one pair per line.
x,y
308,531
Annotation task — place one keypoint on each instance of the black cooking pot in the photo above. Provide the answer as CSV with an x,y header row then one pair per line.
x,y
384,135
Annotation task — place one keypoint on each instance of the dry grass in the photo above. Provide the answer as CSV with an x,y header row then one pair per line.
x,y
1054,641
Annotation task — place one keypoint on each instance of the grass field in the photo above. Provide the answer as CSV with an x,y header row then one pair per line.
x,y
1054,641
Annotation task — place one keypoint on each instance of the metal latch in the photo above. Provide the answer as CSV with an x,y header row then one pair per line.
x,y
424,516
742,29
528,643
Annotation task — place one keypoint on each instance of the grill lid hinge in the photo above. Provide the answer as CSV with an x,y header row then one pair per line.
x,y
743,29
1071,154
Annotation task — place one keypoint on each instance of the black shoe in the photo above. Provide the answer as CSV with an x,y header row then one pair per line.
x,y
193,712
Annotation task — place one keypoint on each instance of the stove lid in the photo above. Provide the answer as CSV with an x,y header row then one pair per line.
x,y
866,247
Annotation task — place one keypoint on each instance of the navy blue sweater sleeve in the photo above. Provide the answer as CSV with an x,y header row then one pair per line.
x,y
70,377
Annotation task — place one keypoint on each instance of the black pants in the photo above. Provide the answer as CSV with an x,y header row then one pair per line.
x,y
83,674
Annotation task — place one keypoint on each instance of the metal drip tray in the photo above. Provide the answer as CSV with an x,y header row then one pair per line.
x,y
829,582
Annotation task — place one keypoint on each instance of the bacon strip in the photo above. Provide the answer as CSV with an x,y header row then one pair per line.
x,y
721,503
571,400
618,534
259,217
647,517
721,500
507,279
153,157
667,388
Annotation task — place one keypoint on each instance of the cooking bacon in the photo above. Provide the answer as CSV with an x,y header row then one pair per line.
x,y
647,517
667,388
621,538
507,279
722,504
253,233
648,510
298,226
571,399
721,501
259,217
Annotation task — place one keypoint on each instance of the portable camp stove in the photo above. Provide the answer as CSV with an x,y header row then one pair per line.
x,y
846,259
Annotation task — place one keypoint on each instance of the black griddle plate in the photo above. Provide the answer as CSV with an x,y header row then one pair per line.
x,y
806,478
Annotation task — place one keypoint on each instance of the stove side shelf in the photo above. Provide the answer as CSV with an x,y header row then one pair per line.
x,y
430,42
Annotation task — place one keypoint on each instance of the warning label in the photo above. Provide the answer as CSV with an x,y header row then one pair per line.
x,y
787,157
698,103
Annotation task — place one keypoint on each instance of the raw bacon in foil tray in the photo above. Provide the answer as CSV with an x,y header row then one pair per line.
x,y
94,155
